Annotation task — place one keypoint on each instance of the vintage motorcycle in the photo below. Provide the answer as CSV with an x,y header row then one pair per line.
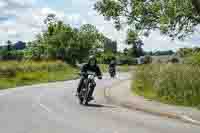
x,y
89,84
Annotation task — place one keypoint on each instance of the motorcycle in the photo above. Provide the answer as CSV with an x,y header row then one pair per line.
x,y
89,83
112,72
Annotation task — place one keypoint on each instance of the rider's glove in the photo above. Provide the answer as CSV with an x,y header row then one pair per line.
x,y
99,77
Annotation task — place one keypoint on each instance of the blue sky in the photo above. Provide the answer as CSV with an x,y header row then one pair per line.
x,y
23,20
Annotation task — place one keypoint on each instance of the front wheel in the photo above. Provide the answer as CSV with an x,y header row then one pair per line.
x,y
86,95
85,102
112,74
80,100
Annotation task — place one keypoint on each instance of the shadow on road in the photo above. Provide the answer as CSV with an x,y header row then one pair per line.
x,y
93,105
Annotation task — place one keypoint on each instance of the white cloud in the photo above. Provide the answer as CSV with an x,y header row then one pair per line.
x,y
160,42
45,11
2,4
74,19
22,20
28,21
107,28
26,24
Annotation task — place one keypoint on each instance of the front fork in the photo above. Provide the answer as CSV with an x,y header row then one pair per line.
x,y
91,86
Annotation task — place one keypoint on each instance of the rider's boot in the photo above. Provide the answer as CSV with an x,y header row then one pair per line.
x,y
77,94
91,98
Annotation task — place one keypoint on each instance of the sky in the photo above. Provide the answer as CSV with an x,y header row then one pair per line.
x,y
23,20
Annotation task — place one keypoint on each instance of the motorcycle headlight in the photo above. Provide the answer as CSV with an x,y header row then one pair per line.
x,y
91,77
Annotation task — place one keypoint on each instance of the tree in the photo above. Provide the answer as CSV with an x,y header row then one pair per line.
x,y
61,41
196,4
19,45
175,18
51,18
196,50
183,52
140,51
133,39
9,45
125,51
89,39
110,45
147,59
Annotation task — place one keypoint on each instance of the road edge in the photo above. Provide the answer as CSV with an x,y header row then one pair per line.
x,y
129,105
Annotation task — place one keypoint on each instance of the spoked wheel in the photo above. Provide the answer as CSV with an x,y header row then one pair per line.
x,y
85,102
112,75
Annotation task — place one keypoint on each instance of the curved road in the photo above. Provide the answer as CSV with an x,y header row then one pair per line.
x,y
52,108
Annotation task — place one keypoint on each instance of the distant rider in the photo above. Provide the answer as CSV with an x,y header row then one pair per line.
x,y
112,65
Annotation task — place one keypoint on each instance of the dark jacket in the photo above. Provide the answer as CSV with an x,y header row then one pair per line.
x,y
112,64
95,69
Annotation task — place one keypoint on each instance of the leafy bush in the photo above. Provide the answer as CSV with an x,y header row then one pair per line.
x,y
8,69
127,60
104,67
194,59
174,60
11,55
147,60
124,68
17,55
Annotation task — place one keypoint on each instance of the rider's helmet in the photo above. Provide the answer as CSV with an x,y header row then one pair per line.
x,y
92,61
113,59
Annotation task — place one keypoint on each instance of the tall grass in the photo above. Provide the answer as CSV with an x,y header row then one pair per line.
x,y
104,67
124,68
14,73
171,83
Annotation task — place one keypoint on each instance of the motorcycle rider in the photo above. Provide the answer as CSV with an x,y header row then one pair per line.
x,y
92,67
112,65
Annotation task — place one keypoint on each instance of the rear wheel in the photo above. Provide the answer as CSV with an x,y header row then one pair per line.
x,y
112,74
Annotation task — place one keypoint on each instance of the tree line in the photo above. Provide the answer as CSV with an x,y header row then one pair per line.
x,y
59,41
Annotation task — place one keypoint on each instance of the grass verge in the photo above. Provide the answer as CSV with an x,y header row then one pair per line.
x,y
13,74
175,84
122,68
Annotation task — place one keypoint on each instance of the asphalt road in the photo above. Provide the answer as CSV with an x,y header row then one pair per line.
x,y
53,108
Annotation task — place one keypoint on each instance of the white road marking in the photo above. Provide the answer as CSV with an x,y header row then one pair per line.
x,y
38,101
45,108
5,93
187,118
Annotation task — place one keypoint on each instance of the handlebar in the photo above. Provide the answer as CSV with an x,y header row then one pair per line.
x,y
87,73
